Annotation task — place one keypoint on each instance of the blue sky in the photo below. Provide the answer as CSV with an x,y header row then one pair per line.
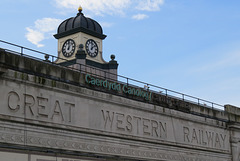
x,y
190,46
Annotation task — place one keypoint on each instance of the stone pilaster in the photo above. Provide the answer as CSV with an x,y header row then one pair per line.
x,y
234,128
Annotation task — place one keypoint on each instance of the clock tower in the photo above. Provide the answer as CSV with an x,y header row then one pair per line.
x,y
80,43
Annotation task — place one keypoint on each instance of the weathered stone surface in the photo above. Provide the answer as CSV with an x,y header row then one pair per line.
x,y
49,107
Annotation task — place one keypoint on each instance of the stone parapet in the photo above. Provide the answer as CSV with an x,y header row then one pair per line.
x,y
47,106
68,75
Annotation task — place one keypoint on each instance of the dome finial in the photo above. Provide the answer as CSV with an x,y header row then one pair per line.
x,y
80,8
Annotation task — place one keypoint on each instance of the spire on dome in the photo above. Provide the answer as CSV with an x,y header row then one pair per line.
x,y
80,9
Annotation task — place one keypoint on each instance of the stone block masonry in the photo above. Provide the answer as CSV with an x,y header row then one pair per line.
x,y
48,112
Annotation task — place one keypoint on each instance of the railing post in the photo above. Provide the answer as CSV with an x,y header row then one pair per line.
x,y
80,68
21,51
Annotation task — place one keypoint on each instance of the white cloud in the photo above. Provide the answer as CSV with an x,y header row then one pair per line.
x,y
34,37
106,24
150,5
102,7
98,7
44,27
47,24
41,29
139,16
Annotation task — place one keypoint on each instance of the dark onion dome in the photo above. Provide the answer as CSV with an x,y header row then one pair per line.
x,y
80,23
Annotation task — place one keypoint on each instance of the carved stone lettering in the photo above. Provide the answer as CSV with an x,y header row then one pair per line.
x,y
119,121
108,118
146,127
129,123
154,125
137,119
57,111
40,107
134,125
70,105
13,101
29,102
162,129
204,137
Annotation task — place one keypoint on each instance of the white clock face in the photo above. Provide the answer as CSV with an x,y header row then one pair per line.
x,y
91,48
68,48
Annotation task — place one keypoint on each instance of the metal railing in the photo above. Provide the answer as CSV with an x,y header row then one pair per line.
x,y
120,78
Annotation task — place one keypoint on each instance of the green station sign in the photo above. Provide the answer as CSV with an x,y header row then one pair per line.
x,y
121,88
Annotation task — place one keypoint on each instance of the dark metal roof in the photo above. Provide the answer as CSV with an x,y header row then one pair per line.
x,y
80,23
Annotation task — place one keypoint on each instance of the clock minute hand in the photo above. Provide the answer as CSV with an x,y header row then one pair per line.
x,y
93,46
68,47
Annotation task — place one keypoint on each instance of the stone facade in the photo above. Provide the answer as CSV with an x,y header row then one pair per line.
x,y
49,112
